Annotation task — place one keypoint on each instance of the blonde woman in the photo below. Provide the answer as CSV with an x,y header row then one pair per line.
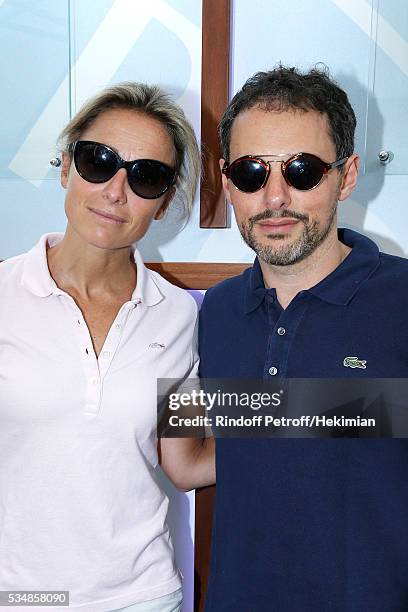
x,y
85,331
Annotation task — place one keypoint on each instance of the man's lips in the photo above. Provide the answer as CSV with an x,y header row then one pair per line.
x,y
277,224
107,215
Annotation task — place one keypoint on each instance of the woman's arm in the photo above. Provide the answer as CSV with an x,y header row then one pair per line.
x,y
188,462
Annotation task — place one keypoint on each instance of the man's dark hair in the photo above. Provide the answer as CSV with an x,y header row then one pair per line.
x,y
286,89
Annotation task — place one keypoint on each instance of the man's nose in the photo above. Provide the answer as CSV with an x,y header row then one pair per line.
x,y
116,188
276,192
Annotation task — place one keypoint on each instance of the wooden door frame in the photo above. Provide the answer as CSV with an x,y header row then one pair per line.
x,y
215,91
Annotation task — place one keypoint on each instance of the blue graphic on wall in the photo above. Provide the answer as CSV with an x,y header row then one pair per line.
x,y
54,56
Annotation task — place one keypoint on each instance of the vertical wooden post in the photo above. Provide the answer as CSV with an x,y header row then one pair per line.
x,y
204,506
214,99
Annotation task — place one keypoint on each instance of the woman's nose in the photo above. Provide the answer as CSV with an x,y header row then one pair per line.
x,y
115,189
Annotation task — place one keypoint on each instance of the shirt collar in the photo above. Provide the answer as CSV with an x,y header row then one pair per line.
x,y
147,290
255,288
36,276
339,286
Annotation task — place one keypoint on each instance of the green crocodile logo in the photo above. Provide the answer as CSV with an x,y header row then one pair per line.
x,y
354,362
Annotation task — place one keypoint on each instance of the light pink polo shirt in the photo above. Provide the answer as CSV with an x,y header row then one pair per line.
x,y
80,507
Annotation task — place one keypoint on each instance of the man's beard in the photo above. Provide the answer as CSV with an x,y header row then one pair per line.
x,y
311,237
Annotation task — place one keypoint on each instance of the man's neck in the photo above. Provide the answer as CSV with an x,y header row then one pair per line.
x,y
290,280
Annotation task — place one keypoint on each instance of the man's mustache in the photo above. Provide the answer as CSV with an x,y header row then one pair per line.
x,y
277,214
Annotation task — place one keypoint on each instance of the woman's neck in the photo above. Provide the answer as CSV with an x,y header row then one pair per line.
x,y
87,270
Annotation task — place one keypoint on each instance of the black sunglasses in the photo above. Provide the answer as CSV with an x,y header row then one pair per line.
x,y
97,163
302,171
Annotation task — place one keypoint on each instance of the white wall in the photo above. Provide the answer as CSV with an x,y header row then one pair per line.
x,y
52,58
337,32
365,45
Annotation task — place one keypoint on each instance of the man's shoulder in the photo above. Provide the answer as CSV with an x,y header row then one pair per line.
x,y
393,263
393,269
386,288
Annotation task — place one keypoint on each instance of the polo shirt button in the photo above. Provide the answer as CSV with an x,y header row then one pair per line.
x,y
281,331
273,371
93,381
105,354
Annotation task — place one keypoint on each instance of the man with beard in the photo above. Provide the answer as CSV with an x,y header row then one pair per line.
x,y
304,524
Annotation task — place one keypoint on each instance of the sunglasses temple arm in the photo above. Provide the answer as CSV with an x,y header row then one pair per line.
x,y
337,163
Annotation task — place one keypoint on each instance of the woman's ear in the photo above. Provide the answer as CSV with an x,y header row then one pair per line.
x,y
66,164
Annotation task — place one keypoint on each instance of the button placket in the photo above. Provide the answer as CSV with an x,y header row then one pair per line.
x,y
114,337
87,354
278,348
95,370
282,336
93,378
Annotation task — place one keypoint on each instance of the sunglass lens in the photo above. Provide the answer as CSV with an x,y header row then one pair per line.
x,y
247,175
95,162
149,178
305,172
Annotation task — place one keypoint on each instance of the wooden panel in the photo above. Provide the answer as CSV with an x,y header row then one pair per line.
x,y
204,505
197,275
214,99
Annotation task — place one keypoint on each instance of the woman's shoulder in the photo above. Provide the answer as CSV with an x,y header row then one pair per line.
x,y
10,269
178,295
11,290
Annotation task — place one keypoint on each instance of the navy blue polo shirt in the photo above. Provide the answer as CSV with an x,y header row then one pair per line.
x,y
310,524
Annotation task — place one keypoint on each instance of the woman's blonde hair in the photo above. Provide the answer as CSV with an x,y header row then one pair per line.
x,y
154,102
